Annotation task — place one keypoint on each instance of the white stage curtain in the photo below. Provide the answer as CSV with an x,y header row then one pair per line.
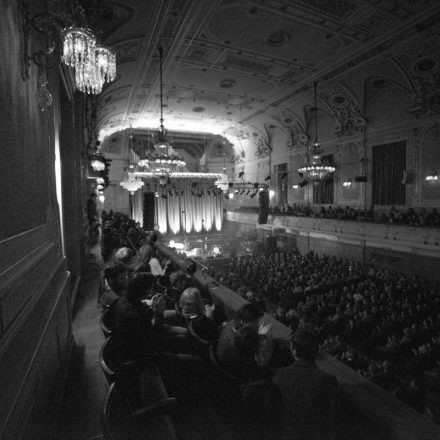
x,y
189,206
137,207
173,211
160,214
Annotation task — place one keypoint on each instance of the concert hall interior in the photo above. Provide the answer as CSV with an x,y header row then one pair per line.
x,y
219,219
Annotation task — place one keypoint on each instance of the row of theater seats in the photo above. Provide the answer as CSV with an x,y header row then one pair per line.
x,y
137,405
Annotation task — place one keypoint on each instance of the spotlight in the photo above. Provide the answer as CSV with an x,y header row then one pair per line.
x,y
271,193
101,198
231,195
236,191
242,192
248,192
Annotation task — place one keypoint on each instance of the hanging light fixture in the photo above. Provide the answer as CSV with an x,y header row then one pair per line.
x,y
97,163
315,169
132,183
105,58
163,160
93,64
78,47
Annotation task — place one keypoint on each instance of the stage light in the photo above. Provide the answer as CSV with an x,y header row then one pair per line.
x,y
271,193
215,250
236,191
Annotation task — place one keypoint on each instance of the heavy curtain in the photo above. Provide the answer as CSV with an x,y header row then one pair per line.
x,y
389,163
137,207
188,206
323,191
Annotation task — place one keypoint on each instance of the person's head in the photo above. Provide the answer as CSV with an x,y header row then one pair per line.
x,y
116,276
247,341
191,303
191,268
145,253
249,313
304,344
123,254
138,285
153,238
177,278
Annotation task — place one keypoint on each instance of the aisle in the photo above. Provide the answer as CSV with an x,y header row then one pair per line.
x,y
86,386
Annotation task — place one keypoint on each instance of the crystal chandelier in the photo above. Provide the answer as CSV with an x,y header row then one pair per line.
x,y
94,65
97,164
315,169
78,47
132,183
163,160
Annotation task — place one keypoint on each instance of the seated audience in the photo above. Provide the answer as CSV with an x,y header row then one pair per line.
x,y
301,398
138,327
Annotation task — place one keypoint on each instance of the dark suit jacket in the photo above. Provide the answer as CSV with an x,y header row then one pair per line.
x,y
135,334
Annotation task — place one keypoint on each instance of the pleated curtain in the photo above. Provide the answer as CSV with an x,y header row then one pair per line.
x,y
189,207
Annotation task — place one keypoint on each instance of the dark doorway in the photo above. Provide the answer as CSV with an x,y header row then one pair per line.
x,y
149,211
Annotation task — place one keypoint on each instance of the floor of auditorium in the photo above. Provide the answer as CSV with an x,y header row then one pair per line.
x,y
207,408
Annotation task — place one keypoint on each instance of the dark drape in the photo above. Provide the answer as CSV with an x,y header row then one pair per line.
x,y
323,191
263,211
149,211
389,163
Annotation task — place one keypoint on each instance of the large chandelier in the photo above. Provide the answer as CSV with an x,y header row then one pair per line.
x,y
94,64
163,160
132,183
315,169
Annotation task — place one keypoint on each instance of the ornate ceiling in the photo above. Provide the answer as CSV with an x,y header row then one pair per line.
x,y
233,65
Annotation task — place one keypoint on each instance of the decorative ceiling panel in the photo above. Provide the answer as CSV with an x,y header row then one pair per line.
x,y
272,35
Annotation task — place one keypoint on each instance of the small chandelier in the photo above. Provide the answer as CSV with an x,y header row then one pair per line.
x,y
432,177
78,47
163,160
97,164
94,65
315,169
132,183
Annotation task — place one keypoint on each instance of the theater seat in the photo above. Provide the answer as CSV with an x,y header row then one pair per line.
x,y
110,360
106,321
215,361
119,422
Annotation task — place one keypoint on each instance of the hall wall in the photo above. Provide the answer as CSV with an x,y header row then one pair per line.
x,y
383,101
35,328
